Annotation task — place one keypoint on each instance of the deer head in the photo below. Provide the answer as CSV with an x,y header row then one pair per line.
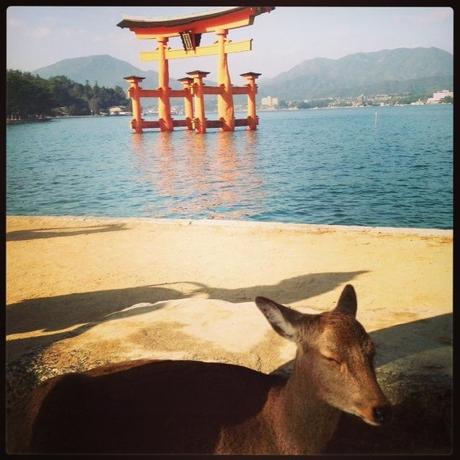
x,y
334,356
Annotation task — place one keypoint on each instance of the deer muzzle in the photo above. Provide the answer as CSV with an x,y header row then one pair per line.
x,y
376,415
382,415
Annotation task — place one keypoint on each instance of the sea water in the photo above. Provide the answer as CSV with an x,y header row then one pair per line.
x,y
370,166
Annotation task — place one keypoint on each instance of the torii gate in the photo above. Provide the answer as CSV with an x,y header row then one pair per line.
x,y
190,29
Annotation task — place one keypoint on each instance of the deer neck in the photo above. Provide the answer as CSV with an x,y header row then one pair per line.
x,y
305,423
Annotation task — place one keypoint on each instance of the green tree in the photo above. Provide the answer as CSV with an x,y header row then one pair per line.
x,y
27,95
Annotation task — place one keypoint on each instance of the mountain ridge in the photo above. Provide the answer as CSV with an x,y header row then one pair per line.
x,y
361,72
103,69
395,70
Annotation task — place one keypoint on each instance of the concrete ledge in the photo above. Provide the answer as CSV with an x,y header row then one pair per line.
x,y
250,225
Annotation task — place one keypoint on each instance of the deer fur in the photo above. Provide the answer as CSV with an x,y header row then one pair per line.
x,y
198,407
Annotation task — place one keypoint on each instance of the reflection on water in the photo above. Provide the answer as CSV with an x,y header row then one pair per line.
x,y
306,166
212,176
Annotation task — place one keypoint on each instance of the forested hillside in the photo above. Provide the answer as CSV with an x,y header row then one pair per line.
x,y
30,96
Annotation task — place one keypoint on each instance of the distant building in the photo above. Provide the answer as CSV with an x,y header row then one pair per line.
x,y
359,101
269,102
118,110
438,96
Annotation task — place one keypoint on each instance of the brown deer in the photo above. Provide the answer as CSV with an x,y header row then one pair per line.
x,y
199,407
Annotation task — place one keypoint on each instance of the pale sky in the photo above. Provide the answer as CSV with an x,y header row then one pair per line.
x,y
42,35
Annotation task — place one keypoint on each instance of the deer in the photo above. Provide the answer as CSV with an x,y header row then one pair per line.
x,y
183,407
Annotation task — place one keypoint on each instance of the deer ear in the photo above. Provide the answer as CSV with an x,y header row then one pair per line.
x,y
347,302
282,319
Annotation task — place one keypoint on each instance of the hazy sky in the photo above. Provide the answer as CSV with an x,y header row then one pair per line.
x,y
39,36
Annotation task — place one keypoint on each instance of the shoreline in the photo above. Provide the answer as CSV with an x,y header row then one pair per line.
x,y
154,115
250,224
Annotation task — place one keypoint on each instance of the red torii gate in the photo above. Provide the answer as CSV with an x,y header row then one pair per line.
x,y
190,29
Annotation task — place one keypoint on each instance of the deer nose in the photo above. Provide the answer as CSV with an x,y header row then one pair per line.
x,y
382,414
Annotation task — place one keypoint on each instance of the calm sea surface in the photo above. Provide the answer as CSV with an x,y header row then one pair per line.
x,y
378,166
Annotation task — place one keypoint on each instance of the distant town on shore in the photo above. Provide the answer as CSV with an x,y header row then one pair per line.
x,y
439,97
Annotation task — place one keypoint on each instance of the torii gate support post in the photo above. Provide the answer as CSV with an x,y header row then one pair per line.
x,y
164,106
251,78
134,94
200,119
188,101
225,100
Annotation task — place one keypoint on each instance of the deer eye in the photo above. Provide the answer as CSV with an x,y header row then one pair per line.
x,y
331,359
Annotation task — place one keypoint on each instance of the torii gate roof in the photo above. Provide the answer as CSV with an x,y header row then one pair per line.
x,y
228,18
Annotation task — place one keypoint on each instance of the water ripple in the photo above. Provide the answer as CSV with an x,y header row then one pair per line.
x,y
313,166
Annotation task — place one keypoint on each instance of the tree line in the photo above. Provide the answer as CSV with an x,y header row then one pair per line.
x,y
30,96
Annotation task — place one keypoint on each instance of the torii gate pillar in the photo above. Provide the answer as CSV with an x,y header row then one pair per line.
x,y
200,119
225,99
188,101
134,94
251,78
164,106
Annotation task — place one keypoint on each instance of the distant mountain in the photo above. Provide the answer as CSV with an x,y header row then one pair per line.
x,y
419,70
388,71
104,69
109,72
